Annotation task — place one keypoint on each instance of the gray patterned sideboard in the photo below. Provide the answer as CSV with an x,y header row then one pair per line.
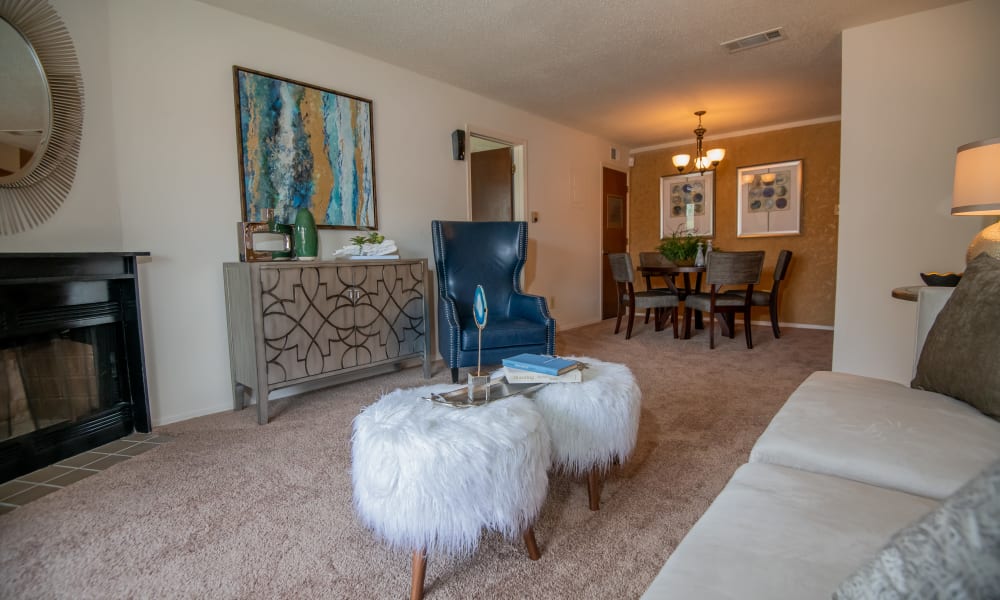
x,y
296,322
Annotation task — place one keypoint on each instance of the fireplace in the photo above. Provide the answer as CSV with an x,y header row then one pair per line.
x,y
72,371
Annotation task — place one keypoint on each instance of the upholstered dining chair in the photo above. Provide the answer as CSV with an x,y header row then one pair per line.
x,y
770,298
491,254
726,268
630,300
655,259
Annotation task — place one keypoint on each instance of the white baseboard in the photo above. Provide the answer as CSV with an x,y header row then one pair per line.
x,y
793,325
437,363
300,389
209,410
561,327
760,323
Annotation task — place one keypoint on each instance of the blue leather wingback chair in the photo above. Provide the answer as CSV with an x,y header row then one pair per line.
x,y
490,254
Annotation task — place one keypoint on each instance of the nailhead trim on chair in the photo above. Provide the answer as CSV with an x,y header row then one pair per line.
x,y
450,310
543,309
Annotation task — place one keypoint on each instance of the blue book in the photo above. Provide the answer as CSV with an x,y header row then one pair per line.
x,y
541,363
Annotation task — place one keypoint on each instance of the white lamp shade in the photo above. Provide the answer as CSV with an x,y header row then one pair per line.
x,y
977,179
702,162
716,154
681,160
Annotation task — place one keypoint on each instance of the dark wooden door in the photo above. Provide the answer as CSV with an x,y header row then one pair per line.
x,y
615,234
493,185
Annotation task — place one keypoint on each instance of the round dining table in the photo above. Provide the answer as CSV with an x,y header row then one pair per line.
x,y
668,272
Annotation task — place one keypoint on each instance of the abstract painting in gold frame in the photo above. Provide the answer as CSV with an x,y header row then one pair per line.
x,y
303,146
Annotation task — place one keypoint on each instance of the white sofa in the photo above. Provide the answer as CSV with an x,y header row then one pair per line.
x,y
844,464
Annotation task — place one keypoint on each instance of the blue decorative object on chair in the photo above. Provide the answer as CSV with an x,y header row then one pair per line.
x,y
491,254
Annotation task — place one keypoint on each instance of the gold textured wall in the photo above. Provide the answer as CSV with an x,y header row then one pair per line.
x,y
809,289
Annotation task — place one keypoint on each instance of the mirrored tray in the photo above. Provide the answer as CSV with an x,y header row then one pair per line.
x,y
498,389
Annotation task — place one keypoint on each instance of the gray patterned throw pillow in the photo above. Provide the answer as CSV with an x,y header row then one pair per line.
x,y
959,358
952,552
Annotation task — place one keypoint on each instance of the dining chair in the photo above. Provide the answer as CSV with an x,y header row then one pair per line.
x,y
655,259
726,268
770,298
624,275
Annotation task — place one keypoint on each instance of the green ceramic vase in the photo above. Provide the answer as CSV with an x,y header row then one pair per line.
x,y
306,244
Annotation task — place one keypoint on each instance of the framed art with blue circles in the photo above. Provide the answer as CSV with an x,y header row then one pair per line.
x,y
769,199
687,204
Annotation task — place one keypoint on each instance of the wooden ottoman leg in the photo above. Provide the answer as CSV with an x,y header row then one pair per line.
x,y
417,575
594,488
529,541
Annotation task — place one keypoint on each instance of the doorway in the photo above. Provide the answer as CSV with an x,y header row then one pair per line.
x,y
614,233
496,178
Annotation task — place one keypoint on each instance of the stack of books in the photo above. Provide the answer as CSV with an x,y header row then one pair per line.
x,y
542,368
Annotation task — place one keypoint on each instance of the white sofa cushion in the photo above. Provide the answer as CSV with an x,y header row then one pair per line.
x,y
880,432
952,552
777,533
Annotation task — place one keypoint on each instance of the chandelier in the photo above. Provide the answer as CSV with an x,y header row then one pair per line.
x,y
702,162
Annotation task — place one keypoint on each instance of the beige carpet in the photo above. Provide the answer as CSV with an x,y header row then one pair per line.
x,y
233,510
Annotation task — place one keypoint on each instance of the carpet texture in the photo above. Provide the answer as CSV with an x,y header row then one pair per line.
x,y
230,509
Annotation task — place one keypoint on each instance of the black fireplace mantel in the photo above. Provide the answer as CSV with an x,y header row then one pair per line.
x,y
51,293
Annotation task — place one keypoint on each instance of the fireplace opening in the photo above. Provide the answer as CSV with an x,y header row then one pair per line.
x,y
59,379
72,370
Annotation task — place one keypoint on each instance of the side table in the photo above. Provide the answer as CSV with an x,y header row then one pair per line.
x,y
907,292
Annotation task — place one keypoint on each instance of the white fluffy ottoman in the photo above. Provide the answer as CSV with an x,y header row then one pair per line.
x,y
594,423
430,477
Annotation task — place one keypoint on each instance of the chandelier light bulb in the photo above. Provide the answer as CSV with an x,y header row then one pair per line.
x,y
716,155
681,161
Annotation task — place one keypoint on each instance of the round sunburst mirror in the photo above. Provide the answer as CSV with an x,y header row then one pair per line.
x,y
41,113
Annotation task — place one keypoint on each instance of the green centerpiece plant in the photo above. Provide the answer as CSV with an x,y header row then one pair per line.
x,y
681,247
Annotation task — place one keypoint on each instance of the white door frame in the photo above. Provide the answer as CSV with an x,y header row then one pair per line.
x,y
519,151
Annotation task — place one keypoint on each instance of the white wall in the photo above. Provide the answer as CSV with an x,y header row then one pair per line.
x,y
160,148
88,219
914,89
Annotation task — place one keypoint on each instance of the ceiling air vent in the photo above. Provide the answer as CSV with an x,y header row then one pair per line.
x,y
752,41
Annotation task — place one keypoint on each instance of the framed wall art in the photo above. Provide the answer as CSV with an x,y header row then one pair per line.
x,y
687,204
615,217
769,199
303,146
